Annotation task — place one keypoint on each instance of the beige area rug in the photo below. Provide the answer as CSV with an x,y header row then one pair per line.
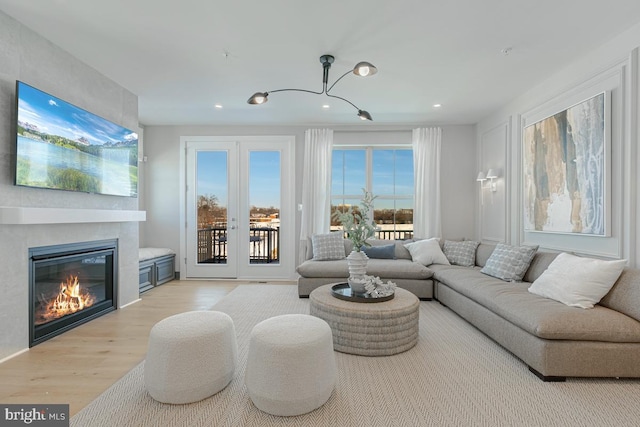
x,y
455,376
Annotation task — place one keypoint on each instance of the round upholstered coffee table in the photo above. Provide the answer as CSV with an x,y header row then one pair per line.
x,y
369,329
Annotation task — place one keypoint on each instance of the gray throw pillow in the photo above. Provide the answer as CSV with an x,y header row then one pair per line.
x,y
509,263
328,247
380,252
461,253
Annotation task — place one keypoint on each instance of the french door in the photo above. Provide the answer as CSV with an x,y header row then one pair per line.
x,y
239,216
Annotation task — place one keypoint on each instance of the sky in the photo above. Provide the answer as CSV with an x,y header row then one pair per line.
x,y
57,117
392,175
264,177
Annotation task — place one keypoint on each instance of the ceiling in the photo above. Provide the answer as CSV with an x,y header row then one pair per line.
x,y
183,57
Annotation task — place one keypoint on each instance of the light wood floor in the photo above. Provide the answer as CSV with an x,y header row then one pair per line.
x,y
80,364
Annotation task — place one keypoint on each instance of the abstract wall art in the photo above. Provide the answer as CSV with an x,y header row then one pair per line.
x,y
565,170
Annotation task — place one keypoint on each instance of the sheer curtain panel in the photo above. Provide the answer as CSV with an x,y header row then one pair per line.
x,y
316,185
426,162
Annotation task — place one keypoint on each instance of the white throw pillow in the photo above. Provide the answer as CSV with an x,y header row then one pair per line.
x,y
427,252
577,281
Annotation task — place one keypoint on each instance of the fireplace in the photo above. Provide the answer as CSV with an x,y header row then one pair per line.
x,y
69,285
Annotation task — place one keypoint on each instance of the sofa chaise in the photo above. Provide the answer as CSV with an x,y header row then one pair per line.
x,y
555,340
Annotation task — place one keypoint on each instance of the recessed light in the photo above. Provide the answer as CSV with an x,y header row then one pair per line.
x,y
437,105
218,106
326,106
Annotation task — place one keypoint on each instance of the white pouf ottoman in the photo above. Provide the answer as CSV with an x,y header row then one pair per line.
x,y
191,356
291,367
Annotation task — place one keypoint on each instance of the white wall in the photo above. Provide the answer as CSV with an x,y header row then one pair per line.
x,y
162,144
26,56
612,67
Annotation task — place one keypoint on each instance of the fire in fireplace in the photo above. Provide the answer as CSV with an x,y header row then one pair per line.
x,y
70,285
70,299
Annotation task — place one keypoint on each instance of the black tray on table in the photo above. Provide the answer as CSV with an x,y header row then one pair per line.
x,y
344,292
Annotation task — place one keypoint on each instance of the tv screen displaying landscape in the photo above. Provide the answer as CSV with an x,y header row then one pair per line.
x,y
64,147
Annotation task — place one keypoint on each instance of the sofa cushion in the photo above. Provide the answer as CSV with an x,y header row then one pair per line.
x,y
427,252
542,317
380,252
624,296
328,246
539,264
401,251
508,262
577,281
461,253
150,253
388,269
483,253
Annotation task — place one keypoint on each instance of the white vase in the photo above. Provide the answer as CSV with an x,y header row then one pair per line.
x,y
357,262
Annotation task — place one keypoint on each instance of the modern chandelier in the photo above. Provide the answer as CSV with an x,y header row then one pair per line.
x,y
362,69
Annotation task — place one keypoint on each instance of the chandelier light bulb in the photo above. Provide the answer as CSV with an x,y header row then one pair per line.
x,y
258,98
364,115
364,69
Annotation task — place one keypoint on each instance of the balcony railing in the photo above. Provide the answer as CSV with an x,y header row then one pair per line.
x,y
386,234
394,234
263,245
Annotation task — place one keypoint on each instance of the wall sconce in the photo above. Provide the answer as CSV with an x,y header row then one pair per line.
x,y
481,179
490,175
493,174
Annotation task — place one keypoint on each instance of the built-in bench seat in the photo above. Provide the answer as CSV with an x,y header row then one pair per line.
x,y
156,266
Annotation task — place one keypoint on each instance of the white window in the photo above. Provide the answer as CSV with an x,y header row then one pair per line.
x,y
387,172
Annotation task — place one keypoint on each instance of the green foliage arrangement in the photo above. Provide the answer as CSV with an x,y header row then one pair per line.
x,y
357,223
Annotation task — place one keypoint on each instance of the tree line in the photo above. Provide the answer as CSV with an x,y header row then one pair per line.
x,y
210,212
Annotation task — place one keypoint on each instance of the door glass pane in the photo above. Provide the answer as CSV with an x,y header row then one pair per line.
x,y
212,201
264,207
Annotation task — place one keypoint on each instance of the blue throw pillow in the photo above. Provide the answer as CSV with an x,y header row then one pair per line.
x,y
380,252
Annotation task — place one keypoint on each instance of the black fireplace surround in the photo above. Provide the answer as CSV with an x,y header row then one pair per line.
x,y
69,285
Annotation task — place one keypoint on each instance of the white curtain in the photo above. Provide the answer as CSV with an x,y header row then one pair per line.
x,y
426,163
316,186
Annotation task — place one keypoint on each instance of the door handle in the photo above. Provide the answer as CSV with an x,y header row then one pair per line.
x,y
233,227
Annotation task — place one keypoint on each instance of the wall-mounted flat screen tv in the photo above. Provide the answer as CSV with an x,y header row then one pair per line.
x,y
64,147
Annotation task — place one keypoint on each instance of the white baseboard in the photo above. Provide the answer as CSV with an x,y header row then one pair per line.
x,y
13,355
130,303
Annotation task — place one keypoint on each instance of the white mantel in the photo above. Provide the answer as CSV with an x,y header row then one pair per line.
x,y
26,215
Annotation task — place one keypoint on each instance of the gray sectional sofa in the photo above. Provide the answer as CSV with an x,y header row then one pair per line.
x,y
555,340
